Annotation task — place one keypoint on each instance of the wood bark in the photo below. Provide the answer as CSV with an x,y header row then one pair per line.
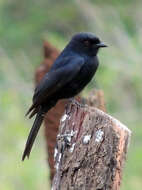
x,y
91,150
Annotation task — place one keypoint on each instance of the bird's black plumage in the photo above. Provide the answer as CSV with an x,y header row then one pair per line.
x,y
70,73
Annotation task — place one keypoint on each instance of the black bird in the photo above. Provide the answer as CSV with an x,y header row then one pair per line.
x,y
70,73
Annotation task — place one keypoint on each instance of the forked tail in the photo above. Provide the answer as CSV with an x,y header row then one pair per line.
x,y
33,133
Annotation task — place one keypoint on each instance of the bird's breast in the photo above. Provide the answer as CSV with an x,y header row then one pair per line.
x,y
87,72
81,80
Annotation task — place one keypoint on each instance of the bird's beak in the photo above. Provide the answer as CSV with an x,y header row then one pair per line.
x,y
101,45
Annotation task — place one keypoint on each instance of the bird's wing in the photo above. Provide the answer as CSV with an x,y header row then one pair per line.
x,y
56,79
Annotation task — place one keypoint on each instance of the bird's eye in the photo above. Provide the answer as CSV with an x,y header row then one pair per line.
x,y
87,43
97,41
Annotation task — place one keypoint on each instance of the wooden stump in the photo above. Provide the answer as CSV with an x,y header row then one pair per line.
x,y
91,150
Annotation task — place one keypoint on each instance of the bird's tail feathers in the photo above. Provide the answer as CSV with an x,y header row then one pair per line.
x,y
29,110
33,112
33,133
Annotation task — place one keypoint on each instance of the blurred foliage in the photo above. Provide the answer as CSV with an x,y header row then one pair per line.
x,y
24,25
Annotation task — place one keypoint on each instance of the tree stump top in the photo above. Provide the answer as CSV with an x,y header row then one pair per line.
x,y
91,149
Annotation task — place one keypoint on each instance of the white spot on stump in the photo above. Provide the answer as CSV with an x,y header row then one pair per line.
x,y
60,155
68,139
55,153
99,135
64,117
58,161
86,139
72,147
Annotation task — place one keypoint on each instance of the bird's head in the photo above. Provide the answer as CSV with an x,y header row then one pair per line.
x,y
86,43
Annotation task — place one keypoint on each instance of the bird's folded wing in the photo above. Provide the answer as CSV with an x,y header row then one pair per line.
x,y
56,79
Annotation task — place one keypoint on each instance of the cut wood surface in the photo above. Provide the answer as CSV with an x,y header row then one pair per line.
x,y
91,150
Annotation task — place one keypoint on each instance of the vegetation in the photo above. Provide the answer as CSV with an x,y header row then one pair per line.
x,y
24,26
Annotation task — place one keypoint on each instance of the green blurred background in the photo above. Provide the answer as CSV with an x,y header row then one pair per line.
x,y
24,25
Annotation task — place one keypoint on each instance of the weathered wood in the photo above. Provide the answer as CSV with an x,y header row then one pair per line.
x,y
91,150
